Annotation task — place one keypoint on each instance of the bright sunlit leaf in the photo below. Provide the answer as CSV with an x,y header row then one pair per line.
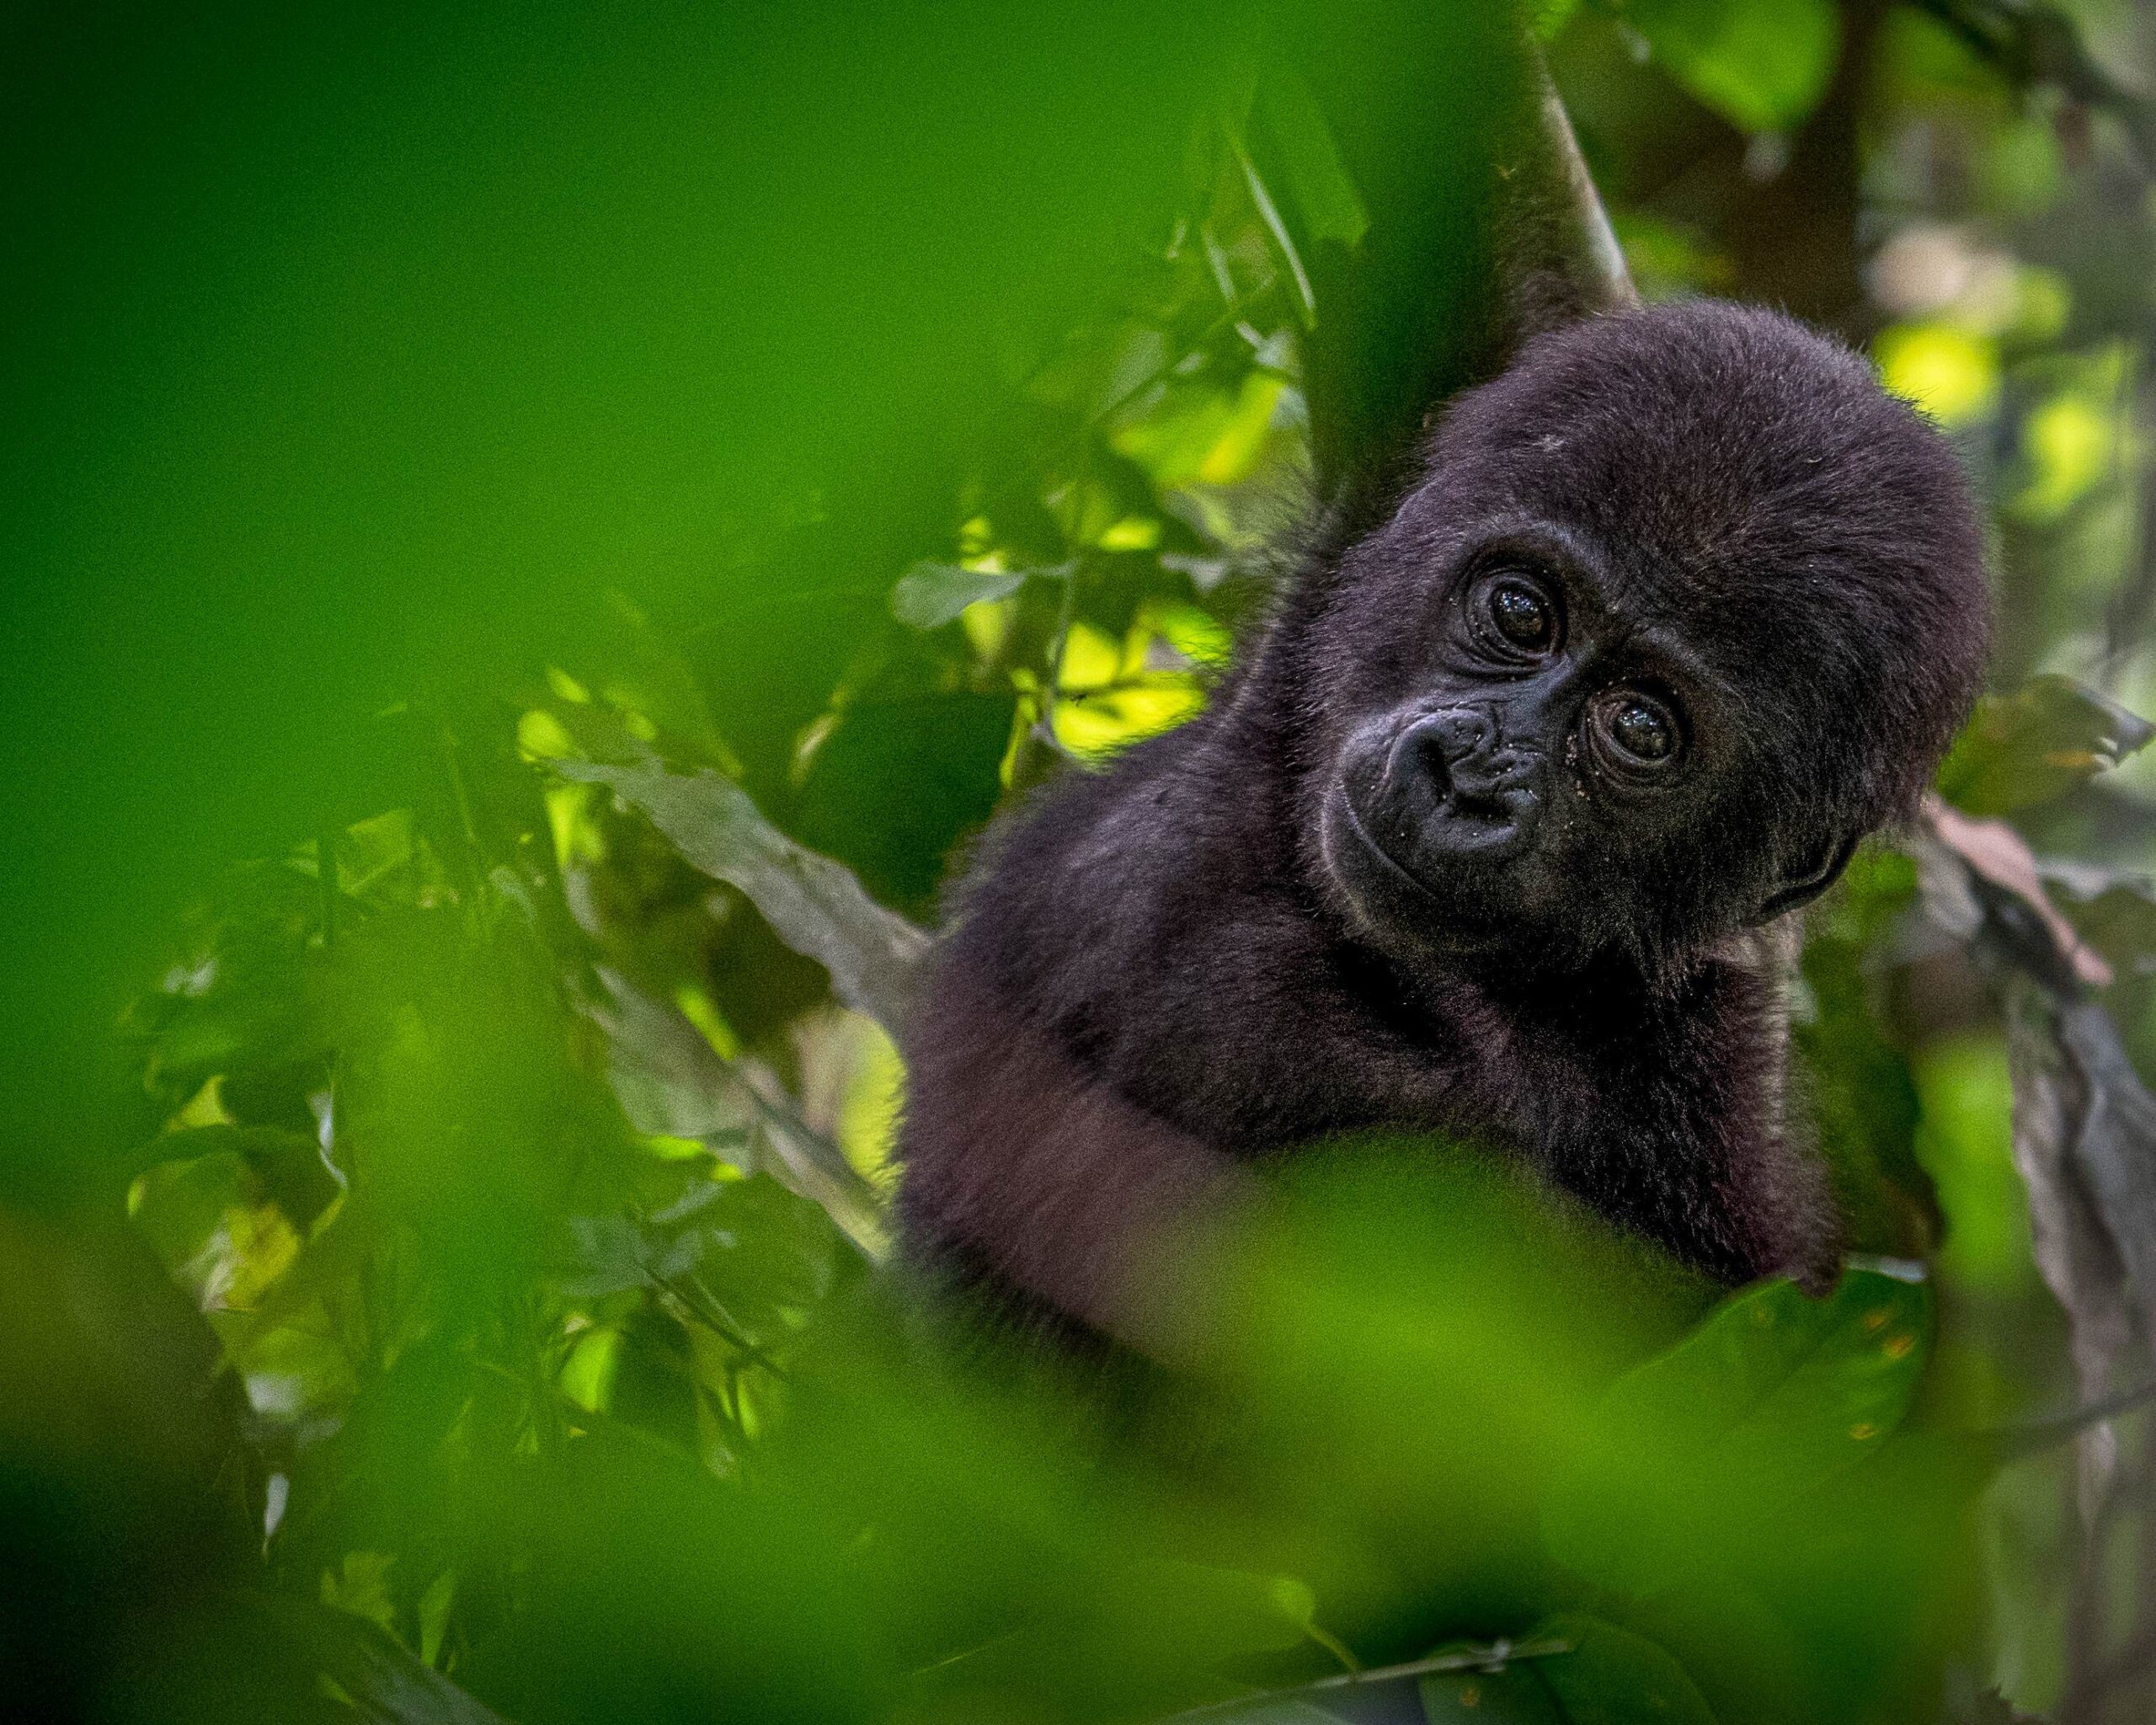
x,y
1950,373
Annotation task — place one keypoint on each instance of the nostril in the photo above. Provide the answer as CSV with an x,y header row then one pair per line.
x,y
1438,756
1421,764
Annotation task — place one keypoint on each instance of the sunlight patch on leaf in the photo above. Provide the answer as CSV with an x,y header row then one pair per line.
x,y
1948,371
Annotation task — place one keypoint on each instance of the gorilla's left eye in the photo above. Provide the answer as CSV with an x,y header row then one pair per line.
x,y
1524,616
1640,730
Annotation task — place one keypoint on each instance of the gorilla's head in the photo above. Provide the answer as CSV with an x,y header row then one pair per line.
x,y
1682,606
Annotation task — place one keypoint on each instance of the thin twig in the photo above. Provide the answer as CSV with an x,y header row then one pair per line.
x,y
1494,1658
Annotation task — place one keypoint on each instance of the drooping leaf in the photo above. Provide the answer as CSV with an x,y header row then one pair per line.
x,y
813,904
1761,64
2115,1141
2049,735
930,595
2073,1248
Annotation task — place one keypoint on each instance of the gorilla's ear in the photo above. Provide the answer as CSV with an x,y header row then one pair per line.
x,y
1821,871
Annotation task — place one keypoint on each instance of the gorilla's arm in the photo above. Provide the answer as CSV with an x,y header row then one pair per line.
x,y
1023,1166
1681,1133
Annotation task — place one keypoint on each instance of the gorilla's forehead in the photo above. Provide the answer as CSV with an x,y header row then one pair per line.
x,y
1676,541
1738,482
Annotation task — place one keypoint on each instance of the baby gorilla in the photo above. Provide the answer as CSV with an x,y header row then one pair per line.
x,y
1483,836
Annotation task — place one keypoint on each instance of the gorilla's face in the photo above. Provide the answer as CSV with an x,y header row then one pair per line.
x,y
1526,793
1682,606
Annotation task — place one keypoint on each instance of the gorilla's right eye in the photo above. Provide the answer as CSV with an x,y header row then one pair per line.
x,y
1523,616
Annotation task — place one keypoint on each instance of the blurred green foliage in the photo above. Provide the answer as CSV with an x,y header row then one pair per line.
x,y
604,513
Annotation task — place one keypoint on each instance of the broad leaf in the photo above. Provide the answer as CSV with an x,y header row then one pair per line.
x,y
813,904
1761,64
2085,1136
2049,735
1775,1394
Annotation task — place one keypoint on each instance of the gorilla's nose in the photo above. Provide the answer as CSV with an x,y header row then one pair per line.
x,y
1450,770
1432,750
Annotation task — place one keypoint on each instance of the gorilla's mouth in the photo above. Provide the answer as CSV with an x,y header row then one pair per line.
x,y
1391,896
1421,817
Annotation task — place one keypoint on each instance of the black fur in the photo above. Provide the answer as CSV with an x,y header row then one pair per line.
x,y
1399,878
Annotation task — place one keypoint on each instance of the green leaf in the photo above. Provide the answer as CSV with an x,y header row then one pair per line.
x,y
1513,1696
815,906
1771,1397
1614,1677
1761,64
2048,736
930,595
